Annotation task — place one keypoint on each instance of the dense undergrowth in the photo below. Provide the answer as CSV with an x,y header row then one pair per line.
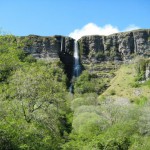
x,y
33,104
38,113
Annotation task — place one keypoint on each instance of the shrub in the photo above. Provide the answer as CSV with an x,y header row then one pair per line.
x,y
140,100
135,84
112,92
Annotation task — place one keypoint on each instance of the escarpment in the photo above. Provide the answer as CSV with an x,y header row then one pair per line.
x,y
92,49
120,46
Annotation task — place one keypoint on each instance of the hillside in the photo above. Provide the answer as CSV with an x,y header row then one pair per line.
x,y
107,110
124,84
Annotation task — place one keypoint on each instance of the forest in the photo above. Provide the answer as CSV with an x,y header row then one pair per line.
x,y
37,111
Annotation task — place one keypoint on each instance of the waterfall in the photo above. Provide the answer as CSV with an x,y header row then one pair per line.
x,y
61,44
77,67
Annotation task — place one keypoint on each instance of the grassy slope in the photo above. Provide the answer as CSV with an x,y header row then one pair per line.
x,y
122,85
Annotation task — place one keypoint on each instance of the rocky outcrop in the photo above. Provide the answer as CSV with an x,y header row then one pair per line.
x,y
46,46
119,46
50,47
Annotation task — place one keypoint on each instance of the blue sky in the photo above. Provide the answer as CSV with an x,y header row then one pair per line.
x,y
66,17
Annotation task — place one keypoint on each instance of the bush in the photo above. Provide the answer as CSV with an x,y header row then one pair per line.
x,y
140,100
112,92
135,84
87,83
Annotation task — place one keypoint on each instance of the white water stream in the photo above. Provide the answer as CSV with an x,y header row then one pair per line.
x,y
77,67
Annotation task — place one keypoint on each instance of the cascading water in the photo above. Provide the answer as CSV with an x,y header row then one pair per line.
x,y
77,66
61,46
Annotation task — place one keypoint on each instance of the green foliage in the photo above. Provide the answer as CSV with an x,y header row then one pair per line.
x,y
86,99
140,100
117,137
144,121
135,84
147,83
82,85
87,83
6,141
140,68
140,143
112,92
37,112
86,120
36,100
109,126
11,57
33,103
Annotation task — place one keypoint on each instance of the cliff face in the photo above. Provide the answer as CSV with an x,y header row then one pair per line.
x,y
120,46
92,49
50,47
47,46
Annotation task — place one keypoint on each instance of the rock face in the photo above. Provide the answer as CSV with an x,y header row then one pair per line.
x,y
47,46
50,47
120,46
92,49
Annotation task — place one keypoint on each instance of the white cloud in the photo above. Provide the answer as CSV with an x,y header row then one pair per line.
x,y
93,29
131,27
